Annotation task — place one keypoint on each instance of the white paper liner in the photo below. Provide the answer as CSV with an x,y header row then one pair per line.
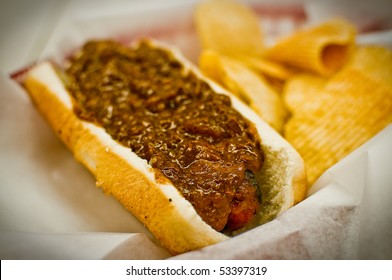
x,y
79,246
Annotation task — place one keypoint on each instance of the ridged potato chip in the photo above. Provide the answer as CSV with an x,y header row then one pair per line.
x,y
376,61
321,49
301,89
228,27
349,110
339,94
247,85
268,68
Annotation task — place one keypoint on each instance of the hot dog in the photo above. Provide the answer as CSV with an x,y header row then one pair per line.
x,y
183,155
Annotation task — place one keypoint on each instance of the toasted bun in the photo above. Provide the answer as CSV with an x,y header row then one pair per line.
x,y
131,180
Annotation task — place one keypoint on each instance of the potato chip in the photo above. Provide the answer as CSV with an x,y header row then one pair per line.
x,y
210,64
268,68
247,85
322,49
374,61
349,110
228,27
299,91
339,94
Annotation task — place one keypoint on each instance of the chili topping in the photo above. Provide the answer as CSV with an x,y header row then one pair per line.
x,y
145,99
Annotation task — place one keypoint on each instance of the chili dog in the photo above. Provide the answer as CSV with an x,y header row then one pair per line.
x,y
188,159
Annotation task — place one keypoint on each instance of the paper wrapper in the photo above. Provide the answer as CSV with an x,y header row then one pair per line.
x,y
51,209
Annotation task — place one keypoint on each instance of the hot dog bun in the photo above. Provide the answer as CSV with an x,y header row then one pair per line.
x,y
131,180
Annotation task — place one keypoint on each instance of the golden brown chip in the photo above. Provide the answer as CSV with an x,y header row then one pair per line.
x,y
374,61
228,27
352,109
339,94
247,85
322,49
300,91
266,67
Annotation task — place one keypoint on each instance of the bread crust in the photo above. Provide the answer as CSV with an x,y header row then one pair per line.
x,y
156,202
